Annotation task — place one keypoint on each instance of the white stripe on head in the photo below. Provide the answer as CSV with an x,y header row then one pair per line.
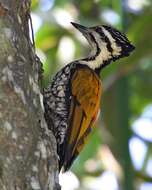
x,y
116,49
103,56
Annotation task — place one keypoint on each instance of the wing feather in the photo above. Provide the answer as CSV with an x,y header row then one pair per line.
x,y
86,92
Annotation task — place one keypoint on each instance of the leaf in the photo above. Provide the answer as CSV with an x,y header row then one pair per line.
x,y
34,4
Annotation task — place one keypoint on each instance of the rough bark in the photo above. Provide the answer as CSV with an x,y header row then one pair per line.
x,y
28,157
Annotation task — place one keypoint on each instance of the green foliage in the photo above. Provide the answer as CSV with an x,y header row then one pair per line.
x,y
34,4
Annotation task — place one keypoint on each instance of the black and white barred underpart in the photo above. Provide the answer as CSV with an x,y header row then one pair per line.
x,y
56,103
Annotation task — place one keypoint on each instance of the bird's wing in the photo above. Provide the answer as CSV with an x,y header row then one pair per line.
x,y
86,93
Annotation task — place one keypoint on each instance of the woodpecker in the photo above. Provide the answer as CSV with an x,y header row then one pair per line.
x,y
72,99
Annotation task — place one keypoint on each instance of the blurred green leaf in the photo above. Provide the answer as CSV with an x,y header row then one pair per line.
x,y
34,4
47,37
61,3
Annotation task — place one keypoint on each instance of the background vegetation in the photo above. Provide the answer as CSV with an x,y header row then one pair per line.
x,y
119,154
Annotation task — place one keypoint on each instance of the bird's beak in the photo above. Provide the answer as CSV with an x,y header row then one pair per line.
x,y
82,29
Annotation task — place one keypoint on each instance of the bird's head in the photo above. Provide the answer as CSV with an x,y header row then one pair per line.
x,y
107,43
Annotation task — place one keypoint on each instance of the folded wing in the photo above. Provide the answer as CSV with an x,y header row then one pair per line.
x,y
84,107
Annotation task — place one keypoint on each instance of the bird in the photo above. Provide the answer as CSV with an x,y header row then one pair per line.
x,y
72,99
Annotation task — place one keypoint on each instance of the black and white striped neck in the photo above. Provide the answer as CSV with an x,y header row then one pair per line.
x,y
99,57
107,44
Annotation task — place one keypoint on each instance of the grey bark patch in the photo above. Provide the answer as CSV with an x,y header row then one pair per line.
x,y
23,166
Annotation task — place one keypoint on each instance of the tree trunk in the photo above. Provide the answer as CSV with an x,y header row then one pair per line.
x,y
28,157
